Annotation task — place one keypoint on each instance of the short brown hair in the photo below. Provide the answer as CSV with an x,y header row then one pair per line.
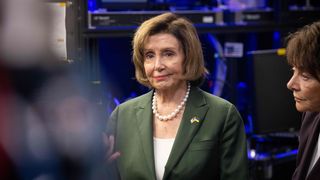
x,y
303,49
185,32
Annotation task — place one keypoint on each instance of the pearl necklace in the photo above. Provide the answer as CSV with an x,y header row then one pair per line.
x,y
175,112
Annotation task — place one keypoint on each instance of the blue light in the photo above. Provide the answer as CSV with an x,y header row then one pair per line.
x,y
276,40
92,5
286,154
116,101
252,153
249,125
276,35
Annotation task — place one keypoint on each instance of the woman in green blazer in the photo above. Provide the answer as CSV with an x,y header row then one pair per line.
x,y
176,131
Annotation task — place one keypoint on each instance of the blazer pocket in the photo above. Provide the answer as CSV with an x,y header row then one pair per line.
x,y
202,145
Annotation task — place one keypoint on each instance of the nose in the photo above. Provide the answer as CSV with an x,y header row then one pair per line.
x,y
158,65
293,84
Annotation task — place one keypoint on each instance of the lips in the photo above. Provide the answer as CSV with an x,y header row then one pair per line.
x,y
161,77
299,99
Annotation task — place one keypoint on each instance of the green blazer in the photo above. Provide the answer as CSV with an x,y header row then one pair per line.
x,y
213,148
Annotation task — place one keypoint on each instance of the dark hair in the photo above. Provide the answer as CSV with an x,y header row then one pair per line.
x,y
303,49
185,32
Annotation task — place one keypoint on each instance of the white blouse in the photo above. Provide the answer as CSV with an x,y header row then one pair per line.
x,y
162,149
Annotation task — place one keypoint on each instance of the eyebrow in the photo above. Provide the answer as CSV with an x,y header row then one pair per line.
x,y
170,48
164,49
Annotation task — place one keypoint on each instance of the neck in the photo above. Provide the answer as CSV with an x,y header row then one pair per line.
x,y
172,95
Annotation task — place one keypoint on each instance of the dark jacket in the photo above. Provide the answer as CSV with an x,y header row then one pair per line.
x,y
308,139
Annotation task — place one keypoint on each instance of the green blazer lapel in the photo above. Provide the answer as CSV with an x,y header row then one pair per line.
x,y
145,127
195,112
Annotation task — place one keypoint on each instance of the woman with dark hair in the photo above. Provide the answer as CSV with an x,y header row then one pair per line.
x,y
175,131
303,54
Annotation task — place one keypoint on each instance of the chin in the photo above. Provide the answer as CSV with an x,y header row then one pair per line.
x,y
302,108
161,86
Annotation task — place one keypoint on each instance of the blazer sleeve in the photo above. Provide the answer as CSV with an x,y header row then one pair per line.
x,y
111,169
234,160
112,122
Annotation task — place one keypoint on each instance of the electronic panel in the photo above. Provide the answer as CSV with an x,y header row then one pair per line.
x,y
272,103
116,5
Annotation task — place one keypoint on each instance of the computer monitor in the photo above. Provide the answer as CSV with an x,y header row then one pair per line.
x,y
272,103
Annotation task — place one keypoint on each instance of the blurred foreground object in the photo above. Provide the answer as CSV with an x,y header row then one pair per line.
x,y
49,127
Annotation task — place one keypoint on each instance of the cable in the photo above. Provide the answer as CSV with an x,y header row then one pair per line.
x,y
220,66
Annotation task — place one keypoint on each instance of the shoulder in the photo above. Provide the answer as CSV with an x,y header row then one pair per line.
x,y
126,110
214,101
137,101
218,108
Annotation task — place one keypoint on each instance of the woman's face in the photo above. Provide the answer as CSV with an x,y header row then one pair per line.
x,y
306,91
163,61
